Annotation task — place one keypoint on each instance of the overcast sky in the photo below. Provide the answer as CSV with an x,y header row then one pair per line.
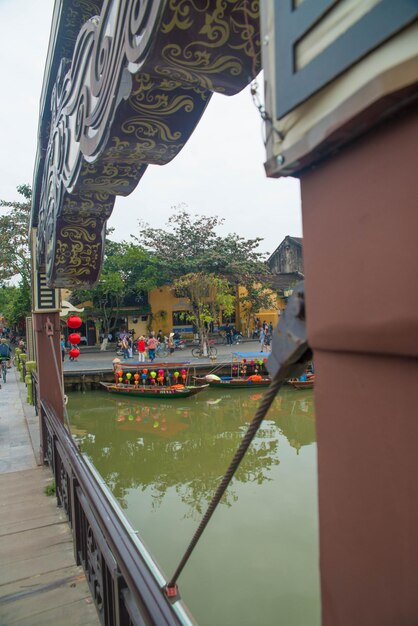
x,y
219,171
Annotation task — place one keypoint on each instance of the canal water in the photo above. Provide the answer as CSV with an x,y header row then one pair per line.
x,y
257,562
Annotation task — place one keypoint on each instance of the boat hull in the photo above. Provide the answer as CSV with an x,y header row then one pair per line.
x,y
302,384
153,392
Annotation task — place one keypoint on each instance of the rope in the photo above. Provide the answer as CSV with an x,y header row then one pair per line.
x,y
239,455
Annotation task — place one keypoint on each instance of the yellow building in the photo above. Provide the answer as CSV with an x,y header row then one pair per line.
x,y
167,312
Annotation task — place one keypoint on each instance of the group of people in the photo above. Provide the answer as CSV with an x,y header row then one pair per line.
x,y
232,334
264,333
148,346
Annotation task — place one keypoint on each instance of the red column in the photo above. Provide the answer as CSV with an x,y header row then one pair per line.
x,y
360,217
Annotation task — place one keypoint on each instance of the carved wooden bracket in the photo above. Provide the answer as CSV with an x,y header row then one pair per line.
x,y
139,80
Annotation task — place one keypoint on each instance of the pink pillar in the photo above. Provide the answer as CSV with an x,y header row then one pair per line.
x,y
360,218
48,375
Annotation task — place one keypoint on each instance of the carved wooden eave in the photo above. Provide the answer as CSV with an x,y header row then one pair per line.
x,y
138,80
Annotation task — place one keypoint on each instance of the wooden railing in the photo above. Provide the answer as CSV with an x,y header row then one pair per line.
x,y
125,582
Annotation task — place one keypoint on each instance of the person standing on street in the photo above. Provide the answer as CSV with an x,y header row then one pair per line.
x,y
261,339
152,345
141,349
63,348
5,356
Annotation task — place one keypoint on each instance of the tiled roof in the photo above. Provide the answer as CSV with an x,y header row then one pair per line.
x,y
283,281
298,240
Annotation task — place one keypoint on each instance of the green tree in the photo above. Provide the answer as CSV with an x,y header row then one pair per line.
x,y
190,244
15,257
15,303
14,237
208,295
128,273
203,265
257,297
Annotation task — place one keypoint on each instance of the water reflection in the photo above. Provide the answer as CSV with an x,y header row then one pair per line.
x,y
140,444
163,462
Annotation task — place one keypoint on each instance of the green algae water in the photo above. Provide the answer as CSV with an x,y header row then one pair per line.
x,y
257,562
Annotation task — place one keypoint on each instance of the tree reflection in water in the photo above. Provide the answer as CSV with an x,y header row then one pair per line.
x,y
142,444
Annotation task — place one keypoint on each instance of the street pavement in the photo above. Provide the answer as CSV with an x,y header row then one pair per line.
x,y
96,360
19,443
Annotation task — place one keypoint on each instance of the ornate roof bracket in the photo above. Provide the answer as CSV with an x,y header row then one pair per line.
x,y
139,80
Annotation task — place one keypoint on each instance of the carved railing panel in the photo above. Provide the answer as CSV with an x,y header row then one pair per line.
x,y
138,82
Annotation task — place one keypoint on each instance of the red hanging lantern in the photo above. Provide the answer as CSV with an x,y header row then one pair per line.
x,y
74,353
74,321
74,339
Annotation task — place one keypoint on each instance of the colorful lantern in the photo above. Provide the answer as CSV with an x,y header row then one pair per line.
x,y
176,376
74,353
74,339
129,375
120,379
74,321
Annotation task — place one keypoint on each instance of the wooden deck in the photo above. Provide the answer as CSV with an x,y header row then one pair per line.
x,y
39,581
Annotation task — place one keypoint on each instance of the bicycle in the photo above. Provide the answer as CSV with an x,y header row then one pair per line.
x,y
198,352
162,350
235,339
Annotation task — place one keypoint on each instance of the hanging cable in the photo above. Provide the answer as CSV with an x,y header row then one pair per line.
x,y
255,94
171,588
290,353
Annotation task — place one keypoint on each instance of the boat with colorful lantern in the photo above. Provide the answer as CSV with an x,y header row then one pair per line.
x,y
168,380
248,371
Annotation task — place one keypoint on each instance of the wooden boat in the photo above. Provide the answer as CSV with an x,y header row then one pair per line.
x,y
248,371
154,391
302,384
142,380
